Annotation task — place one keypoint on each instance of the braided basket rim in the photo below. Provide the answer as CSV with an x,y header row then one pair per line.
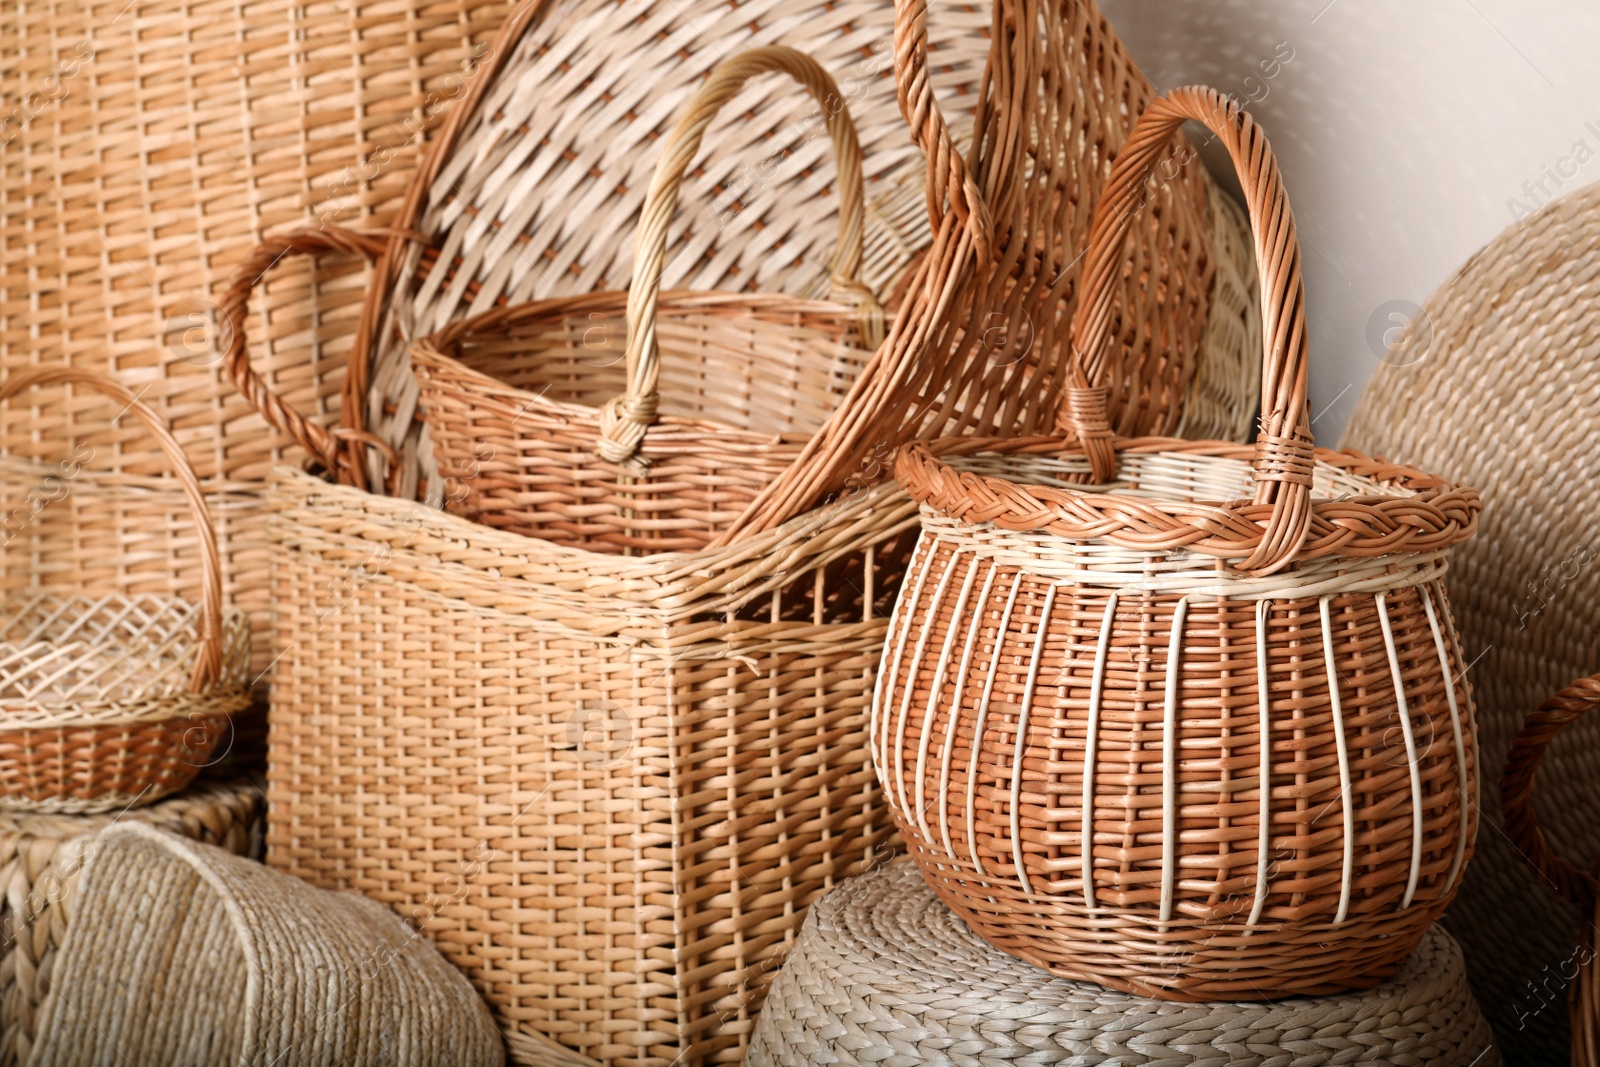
x,y
1408,510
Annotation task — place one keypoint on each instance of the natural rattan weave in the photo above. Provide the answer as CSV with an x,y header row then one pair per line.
x,y
648,420
183,953
109,700
534,126
884,973
607,787
1146,723
1458,394
41,857
1517,790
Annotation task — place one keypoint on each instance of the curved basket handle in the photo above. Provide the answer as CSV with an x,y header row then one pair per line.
x,y
1284,455
208,654
949,180
1520,778
624,419
329,447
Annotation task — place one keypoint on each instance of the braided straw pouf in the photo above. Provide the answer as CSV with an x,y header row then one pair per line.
x,y
40,858
885,974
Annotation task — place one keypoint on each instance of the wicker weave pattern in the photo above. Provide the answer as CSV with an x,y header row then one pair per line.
x,y
606,786
717,392
1186,720
884,973
41,858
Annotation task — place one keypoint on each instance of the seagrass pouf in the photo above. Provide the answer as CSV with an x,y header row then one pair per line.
x,y
884,974
40,857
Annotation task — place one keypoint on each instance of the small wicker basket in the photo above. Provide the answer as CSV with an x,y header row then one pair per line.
x,y
111,701
1583,889
546,422
1162,730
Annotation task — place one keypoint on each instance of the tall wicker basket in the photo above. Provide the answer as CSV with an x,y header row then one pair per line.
x,y
1184,719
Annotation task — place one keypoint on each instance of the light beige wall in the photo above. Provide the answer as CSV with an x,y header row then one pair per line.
x,y
1410,133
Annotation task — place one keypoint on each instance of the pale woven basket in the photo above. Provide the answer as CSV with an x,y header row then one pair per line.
x,y
109,699
180,952
1455,394
41,858
885,974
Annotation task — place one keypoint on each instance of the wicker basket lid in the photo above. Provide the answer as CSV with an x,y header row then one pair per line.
x,y
883,973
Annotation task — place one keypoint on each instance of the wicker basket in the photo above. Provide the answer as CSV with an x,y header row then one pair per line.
x,y
883,973
607,787
1580,967
535,122
645,420
108,700
1203,740
183,953
40,860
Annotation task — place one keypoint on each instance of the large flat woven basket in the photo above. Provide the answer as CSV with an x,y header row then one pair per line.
x,y
1185,719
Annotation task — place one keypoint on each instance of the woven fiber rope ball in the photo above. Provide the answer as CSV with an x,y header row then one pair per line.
x,y
1494,385
40,859
885,974
1185,719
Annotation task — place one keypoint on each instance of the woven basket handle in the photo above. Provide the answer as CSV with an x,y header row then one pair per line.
x,y
624,419
331,448
949,179
208,654
1520,778
1284,455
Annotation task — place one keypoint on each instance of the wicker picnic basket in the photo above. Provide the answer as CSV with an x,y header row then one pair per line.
x,y
1144,723
1577,975
110,700
642,419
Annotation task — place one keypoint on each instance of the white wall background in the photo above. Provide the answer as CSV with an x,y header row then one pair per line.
x,y
1410,133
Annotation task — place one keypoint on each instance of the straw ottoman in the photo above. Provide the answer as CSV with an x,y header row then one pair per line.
x,y
40,857
885,974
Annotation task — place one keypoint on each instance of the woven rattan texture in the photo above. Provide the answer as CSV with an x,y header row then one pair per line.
x,y
41,857
1166,759
144,147
1458,397
181,952
884,973
607,787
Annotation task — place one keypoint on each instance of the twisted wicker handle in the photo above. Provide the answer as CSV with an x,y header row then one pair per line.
x,y
624,419
949,180
1284,455
328,447
1521,774
208,654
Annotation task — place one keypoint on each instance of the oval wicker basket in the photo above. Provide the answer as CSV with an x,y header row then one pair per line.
x,y
111,701
645,420
1582,888
1160,729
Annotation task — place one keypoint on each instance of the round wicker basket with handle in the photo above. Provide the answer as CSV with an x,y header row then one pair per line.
x,y
110,701
1582,888
1183,718
542,415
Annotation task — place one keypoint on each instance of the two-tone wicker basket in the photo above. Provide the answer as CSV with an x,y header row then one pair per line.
x,y
643,419
1183,718
110,700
